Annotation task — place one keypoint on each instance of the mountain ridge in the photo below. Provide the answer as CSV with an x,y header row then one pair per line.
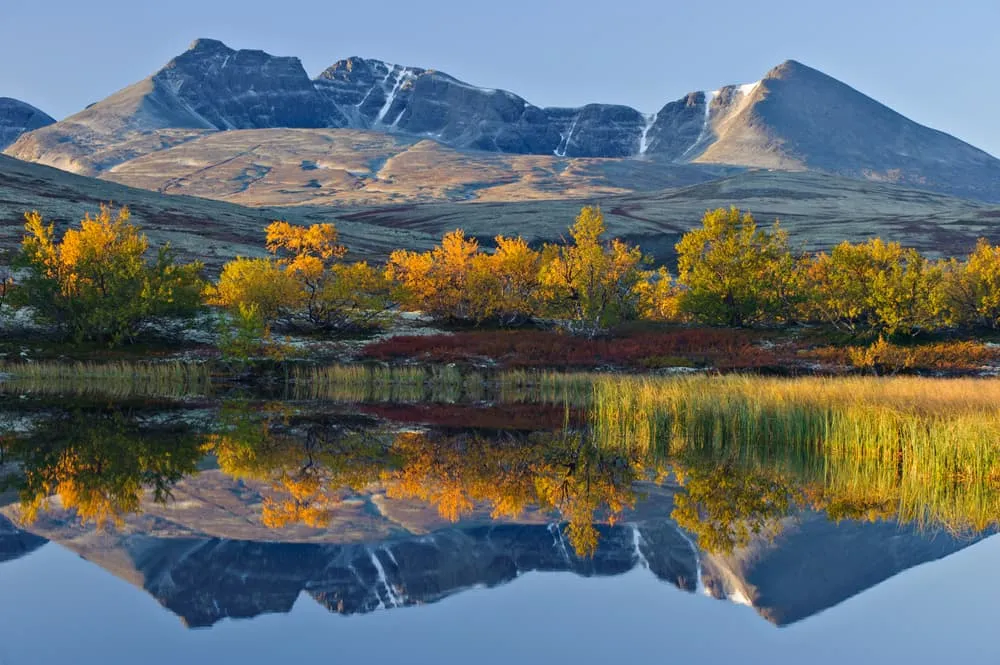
x,y
793,118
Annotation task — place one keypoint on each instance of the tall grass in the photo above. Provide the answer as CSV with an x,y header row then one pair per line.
x,y
575,388
114,379
439,383
929,449
358,383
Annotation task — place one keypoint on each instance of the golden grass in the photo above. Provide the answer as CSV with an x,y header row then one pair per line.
x,y
927,450
115,379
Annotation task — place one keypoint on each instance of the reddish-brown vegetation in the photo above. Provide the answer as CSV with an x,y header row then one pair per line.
x,y
525,417
884,357
721,349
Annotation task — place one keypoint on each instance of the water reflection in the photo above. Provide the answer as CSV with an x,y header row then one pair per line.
x,y
234,509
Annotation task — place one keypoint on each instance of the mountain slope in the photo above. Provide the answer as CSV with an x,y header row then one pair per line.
x,y
17,118
794,118
212,231
354,167
210,87
817,210
798,117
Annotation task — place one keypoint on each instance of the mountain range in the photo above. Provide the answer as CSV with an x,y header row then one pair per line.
x,y
793,118
218,142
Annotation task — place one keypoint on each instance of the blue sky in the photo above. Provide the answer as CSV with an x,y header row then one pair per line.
x,y
932,61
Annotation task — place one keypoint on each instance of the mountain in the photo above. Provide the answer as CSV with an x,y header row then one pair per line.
x,y
812,565
798,117
794,118
17,117
204,580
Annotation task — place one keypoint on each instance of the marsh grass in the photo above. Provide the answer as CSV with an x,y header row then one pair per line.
x,y
573,388
439,383
925,450
115,379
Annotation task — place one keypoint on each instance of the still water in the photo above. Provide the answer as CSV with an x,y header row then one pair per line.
x,y
260,531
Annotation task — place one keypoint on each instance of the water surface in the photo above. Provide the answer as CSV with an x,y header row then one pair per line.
x,y
259,531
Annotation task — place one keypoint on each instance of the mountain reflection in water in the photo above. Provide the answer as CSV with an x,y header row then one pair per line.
x,y
234,509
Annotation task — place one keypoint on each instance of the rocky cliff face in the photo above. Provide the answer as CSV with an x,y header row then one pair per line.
x,y
17,118
219,88
794,118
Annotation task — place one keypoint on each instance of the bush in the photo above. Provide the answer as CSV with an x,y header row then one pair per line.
x,y
97,284
883,357
305,284
735,274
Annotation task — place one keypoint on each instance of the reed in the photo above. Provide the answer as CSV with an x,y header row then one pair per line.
x,y
114,379
547,387
439,383
925,450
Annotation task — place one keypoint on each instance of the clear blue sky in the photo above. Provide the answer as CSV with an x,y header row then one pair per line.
x,y
933,61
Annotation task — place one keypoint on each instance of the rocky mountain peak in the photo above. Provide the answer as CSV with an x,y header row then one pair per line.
x,y
223,88
204,45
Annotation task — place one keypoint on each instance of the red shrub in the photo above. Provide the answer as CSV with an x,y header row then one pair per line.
x,y
701,347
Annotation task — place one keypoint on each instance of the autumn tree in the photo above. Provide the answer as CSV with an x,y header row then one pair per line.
x,y
437,281
305,283
259,284
458,281
734,273
506,282
306,464
875,287
558,472
725,505
97,282
101,463
972,288
592,282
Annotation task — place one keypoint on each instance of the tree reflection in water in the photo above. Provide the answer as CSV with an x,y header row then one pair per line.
x,y
100,462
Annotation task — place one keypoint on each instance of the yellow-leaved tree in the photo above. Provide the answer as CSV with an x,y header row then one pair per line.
x,y
972,288
458,281
875,287
592,283
305,283
97,283
734,273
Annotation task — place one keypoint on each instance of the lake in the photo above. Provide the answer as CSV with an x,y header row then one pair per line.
x,y
494,527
